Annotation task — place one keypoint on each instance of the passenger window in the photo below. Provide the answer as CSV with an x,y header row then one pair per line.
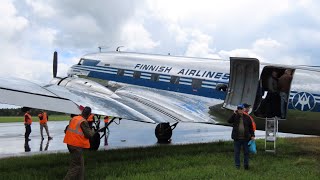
x,y
154,77
120,72
136,74
196,83
174,79
222,87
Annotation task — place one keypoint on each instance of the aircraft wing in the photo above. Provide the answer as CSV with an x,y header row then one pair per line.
x,y
129,102
20,92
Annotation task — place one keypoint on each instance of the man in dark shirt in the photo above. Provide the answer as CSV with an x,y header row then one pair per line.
x,y
273,95
242,133
284,88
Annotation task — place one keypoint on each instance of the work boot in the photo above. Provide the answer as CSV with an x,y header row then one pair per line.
x,y
246,167
49,138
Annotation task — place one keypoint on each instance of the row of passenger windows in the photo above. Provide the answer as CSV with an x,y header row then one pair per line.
x,y
196,83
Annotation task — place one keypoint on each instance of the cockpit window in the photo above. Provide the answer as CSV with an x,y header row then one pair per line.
x,y
80,62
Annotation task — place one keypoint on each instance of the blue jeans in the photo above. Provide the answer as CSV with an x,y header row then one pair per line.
x,y
237,149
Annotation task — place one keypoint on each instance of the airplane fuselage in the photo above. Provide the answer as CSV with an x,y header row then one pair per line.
x,y
207,79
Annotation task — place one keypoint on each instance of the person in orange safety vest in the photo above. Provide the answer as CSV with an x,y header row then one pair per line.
x,y
77,138
27,124
106,120
246,111
43,119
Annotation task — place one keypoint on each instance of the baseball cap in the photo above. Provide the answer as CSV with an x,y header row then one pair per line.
x,y
240,106
245,105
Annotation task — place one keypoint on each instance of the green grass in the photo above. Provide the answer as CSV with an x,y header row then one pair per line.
x,y
6,119
297,158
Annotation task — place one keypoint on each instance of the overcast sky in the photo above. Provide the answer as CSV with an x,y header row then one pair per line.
x,y
286,32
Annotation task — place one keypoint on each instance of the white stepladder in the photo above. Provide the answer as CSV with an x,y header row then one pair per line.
x,y
271,134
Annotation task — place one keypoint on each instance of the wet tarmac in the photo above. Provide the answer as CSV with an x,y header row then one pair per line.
x,y
126,134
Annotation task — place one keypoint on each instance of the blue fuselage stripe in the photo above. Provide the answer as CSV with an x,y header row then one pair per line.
x,y
164,85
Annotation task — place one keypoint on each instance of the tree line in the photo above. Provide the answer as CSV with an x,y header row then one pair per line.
x,y
21,112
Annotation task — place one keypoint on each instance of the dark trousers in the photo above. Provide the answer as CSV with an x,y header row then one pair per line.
x,y
273,102
76,168
28,131
237,149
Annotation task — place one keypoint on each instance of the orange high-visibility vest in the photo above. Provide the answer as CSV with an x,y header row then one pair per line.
x,y
43,118
27,119
254,126
90,118
106,119
74,134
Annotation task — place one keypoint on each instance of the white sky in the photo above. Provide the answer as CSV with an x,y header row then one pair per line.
x,y
286,31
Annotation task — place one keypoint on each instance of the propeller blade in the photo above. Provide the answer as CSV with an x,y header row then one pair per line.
x,y
55,64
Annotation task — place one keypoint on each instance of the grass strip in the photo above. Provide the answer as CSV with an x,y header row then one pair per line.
x,y
8,119
296,158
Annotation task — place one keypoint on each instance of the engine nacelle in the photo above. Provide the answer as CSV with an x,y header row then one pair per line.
x,y
84,85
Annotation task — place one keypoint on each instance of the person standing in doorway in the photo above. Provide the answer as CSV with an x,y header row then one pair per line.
x,y
284,88
273,95
77,138
242,133
27,124
43,119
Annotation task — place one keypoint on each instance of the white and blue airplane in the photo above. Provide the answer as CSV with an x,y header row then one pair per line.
x,y
160,88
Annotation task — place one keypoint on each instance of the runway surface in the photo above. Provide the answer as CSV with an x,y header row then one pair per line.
x,y
126,134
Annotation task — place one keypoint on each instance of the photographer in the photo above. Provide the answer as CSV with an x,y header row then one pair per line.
x,y
242,133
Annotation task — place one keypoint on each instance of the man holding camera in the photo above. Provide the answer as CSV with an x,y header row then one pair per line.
x,y
242,133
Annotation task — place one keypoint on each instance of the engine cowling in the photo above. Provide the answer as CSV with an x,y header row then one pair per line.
x,y
84,85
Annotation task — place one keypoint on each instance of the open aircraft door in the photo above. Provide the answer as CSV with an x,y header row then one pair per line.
x,y
243,82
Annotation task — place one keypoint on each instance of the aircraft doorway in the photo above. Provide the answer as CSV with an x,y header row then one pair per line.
x,y
243,83
271,90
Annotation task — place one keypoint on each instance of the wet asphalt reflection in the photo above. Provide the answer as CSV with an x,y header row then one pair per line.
x,y
126,134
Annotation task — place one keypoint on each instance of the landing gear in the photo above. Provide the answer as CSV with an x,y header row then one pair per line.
x,y
95,140
163,132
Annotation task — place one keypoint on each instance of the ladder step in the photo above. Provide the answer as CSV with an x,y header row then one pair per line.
x,y
271,130
268,150
270,140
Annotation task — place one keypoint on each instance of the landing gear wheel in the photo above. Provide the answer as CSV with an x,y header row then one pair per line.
x,y
95,142
163,132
